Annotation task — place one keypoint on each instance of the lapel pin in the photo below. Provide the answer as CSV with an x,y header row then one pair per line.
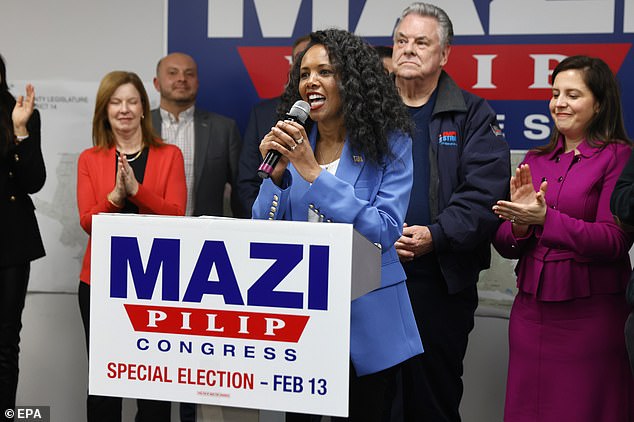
x,y
357,158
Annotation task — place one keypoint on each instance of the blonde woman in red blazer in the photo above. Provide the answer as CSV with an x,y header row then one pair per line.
x,y
128,170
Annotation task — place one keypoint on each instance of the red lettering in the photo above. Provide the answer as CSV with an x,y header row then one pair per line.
x,y
217,323
213,378
112,370
138,372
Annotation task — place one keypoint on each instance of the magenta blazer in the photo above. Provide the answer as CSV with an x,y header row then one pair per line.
x,y
580,250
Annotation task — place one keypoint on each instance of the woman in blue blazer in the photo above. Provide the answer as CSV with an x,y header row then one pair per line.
x,y
355,167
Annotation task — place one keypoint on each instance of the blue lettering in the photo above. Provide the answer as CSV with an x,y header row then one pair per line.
x,y
230,350
185,347
164,345
287,383
286,257
249,352
213,252
142,344
207,349
318,278
269,353
164,258
165,253
290,355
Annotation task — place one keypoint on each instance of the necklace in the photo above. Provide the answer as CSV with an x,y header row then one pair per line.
x,y
328,164
137,155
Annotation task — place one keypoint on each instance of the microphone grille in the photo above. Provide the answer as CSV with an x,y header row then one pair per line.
x,y
300,110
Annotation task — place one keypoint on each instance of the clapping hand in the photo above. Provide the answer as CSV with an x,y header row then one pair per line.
x,y
22,111
527,207
127,175
125,182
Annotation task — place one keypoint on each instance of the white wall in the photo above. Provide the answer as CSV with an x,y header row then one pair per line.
x,y
81,40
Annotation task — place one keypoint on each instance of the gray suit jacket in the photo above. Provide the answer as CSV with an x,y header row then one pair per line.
x,y
216,150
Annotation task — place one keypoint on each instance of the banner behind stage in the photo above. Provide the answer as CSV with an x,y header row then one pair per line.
x,y
504,50
242,313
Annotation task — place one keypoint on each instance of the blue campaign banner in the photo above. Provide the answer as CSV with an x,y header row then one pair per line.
x,y
503,50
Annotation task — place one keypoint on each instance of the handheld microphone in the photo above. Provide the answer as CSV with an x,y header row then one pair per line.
x,y
298,113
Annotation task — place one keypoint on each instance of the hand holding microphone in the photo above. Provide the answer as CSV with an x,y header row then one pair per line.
x,y
299,113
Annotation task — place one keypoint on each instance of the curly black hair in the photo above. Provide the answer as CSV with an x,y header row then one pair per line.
x,y
372,107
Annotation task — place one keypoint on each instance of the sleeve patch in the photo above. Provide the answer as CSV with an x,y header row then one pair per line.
x,y
496,130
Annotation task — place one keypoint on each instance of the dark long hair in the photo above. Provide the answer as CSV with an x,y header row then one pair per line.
x,y
7,102
607,125
372,107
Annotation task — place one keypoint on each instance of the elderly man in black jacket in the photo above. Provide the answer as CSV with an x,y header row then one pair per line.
x,y
461,168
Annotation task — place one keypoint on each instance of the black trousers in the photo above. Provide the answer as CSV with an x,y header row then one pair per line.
x,y
629,339
13,284
187,412
108,409
370,398
432,382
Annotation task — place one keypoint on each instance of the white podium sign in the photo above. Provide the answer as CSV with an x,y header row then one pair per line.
x,y
242,313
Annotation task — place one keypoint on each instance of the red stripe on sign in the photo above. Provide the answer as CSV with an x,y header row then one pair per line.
x,y
492,71
520,71
267,67
216,323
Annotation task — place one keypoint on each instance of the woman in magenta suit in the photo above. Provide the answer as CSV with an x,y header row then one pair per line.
x,y
567,358
128,170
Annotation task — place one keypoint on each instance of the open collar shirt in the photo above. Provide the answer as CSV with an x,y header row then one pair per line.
x,y
179,130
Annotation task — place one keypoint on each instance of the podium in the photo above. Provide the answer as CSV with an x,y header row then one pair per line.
x,y
241,313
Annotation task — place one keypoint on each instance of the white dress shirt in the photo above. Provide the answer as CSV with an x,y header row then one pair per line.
x,y
180,132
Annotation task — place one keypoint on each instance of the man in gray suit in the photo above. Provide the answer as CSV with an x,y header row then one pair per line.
x,y
210,142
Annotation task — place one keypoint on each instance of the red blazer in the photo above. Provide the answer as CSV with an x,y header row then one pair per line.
x,y
163,190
